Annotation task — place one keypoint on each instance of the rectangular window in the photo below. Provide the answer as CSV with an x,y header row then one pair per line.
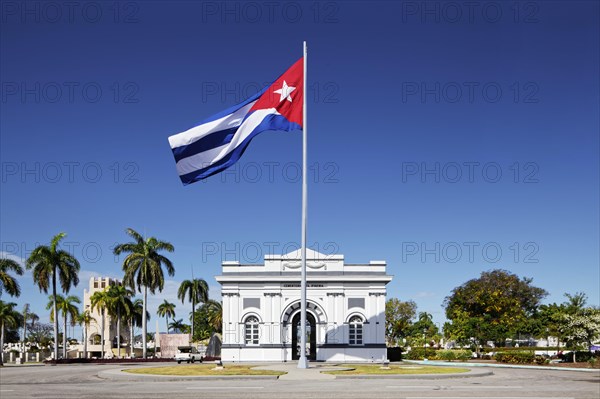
x,y
356,334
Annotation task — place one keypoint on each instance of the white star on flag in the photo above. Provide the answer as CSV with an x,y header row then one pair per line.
x,y
285,92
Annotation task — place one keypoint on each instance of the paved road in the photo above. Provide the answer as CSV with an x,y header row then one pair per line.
x,y
82,381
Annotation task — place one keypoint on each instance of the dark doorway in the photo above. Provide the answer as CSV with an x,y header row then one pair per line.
x,y
311,339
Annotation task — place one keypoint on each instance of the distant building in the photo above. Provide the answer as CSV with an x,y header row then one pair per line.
x,y
110,325
345,309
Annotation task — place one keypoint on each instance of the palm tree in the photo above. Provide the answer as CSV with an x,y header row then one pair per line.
x,y
135,319
101,301
68,309
48,263
177,325
197,292
85,319
33,318
215,314
166,310
8,318
119,305
25,316
7,282
143,269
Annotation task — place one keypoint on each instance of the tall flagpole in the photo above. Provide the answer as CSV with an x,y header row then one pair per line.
x,y
303,362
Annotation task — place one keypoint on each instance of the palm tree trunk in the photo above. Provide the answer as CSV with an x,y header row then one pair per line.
x,y
102,336
119,332
167,318
144,324
193,317
24,328
85,339
65,337
131,352
2,344
55,315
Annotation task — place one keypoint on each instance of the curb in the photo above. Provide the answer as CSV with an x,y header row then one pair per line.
x,y
508,366
119,375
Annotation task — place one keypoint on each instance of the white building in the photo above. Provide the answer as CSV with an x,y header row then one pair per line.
x,y
94,333
345,302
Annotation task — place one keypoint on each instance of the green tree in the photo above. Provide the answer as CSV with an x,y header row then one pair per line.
x,y
135,320
214,310
398,319
177,325
196,291
424,329
9,317
85,319
575,303
492,306
50,263
7,282
166,310
100,300
67,306
143,269
119,305
41,334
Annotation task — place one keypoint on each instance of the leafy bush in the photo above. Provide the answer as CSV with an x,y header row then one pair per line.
x,y
521,349
514,357
447,355
580,356
464,355
450,355
421,353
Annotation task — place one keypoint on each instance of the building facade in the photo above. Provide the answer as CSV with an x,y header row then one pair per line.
x,y
345,309
94,333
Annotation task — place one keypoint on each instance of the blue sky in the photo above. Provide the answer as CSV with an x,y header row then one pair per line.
x,y
446,138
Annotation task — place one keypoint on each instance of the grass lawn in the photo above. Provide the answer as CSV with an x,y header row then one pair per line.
x,y
201,369
395,369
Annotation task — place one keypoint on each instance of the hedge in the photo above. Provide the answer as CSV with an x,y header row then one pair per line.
x,y
433,354
420,354
580,356
519,357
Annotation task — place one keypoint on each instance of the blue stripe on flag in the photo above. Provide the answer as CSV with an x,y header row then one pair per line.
x,y
206,143
270,122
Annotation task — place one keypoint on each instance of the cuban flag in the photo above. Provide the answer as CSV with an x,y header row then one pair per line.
x,y
219,141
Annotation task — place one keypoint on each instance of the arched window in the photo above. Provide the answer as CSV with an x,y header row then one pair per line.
x,y
356,330
251,330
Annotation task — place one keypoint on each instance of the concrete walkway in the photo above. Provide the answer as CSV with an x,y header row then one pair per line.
x,y
313,372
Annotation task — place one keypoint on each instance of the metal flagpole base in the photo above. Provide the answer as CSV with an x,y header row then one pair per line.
x,y
303,362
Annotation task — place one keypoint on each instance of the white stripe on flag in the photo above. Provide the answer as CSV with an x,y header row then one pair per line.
x,y
197,132
198,161
205,159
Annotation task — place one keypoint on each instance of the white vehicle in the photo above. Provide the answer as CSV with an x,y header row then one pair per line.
x,y
187,354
